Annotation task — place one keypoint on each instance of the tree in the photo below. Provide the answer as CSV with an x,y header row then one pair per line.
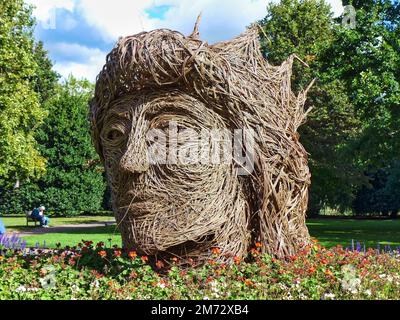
x,y
306,28
20,111
45,79
73,182
369,60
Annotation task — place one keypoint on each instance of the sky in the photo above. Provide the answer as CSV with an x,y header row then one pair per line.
x,y
78,34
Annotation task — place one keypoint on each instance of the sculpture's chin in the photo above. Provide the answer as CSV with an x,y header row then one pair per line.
x,y
151,234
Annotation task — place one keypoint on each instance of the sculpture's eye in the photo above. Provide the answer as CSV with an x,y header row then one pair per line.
x,y
114,135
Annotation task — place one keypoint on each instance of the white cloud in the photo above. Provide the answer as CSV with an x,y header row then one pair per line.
x,y
221,20
117,18
44,9
84,62
336,6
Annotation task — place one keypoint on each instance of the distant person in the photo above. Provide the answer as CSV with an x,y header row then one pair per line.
x,y
38,214
2,228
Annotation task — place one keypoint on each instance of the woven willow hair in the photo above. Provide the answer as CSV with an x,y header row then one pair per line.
x,y
227,85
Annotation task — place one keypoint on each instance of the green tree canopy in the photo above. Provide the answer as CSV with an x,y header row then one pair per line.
x,y
306,28
20,110
73,182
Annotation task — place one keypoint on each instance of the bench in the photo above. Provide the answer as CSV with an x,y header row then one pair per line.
x,y
30,219
109,223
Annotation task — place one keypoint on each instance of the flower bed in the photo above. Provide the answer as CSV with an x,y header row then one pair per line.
x,y
90,271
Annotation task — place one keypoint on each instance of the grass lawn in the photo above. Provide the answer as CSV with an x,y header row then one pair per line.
x,y
109,235
70,238
329,232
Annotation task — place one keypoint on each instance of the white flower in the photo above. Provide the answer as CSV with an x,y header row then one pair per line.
x,y
350,282
368,292
206,298
95,284
21,289
75,288
161,285
329,296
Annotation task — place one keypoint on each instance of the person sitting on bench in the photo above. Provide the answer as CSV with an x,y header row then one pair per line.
x,y
38,215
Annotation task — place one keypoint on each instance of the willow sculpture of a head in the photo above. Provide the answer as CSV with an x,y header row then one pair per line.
x,y
166,83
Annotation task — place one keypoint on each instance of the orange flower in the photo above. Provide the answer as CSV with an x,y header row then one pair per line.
x,y
314,240
258,244
311,270
328,272
216,250
159,264
254,251
248,282
102,254
237,259
132,254
175,259
144,259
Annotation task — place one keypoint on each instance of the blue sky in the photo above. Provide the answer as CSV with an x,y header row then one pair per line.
x,y
79,33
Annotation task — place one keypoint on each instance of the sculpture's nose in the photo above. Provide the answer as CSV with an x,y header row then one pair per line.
x,y
135,159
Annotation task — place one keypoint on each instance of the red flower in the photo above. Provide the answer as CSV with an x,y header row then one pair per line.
x,y
117,253
102,253
87,243
159,264
144,259
100,244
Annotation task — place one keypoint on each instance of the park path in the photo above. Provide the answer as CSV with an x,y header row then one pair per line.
x,y
63,228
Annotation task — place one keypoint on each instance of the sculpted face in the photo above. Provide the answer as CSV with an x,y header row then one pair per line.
x,y
168,201
176,192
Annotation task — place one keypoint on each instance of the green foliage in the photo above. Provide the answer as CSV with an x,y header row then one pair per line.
x,y
354,125
45,79
367,60
20,111
381,195
306,28
73,183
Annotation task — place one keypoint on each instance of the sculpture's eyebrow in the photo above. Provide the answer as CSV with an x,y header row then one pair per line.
x,y
119,113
